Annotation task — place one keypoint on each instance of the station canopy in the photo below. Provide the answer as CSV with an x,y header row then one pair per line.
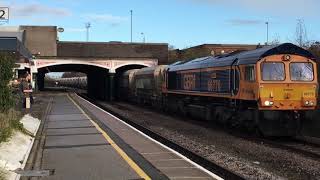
x,y
13,44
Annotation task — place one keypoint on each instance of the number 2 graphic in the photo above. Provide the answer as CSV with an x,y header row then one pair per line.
x,y
2,13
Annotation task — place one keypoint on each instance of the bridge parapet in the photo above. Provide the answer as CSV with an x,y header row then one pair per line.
x,y
109,64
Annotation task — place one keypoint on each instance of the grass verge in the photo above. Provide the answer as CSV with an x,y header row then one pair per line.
x,y
2,174
8,122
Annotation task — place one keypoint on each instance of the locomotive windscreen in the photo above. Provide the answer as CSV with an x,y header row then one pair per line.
x,y
301,71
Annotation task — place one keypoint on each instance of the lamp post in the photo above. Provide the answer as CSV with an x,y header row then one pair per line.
x,y
131,12
267,23
143,37
88,25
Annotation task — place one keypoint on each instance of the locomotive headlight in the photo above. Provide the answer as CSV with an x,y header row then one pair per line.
x,y
309,103
286,57
268,103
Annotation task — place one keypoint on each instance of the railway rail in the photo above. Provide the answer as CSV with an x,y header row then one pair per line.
x,y
304,148
209,165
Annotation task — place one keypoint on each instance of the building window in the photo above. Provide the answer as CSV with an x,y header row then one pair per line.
x,y
250,73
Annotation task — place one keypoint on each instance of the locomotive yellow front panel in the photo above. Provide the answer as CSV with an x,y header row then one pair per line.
x,y
288,96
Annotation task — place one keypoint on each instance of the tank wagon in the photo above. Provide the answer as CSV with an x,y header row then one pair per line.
x,y
74,82
270,89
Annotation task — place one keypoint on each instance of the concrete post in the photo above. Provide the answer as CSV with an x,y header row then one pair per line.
x,y
34,81
28,103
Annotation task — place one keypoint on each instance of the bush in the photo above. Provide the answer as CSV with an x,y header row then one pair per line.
x,y
9,118
2,174
6,74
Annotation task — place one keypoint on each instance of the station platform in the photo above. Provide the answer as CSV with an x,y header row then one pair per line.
x,y
83,141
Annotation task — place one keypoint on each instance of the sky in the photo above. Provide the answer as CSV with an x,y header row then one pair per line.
x,y
181,23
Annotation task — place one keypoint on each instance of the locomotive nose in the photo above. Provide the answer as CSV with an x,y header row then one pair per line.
x,y
308,98
287,97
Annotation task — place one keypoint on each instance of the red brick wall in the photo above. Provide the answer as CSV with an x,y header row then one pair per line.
x,y
114,50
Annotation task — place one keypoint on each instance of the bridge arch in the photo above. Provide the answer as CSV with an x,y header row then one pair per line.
x,y
102,74
137,64
44,64
97,77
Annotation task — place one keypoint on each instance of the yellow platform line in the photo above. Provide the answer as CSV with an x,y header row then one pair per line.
x,y
131,163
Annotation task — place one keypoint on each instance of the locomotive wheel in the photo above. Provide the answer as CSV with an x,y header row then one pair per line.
x,y
311,123
277,123
223,115
182,108
246,119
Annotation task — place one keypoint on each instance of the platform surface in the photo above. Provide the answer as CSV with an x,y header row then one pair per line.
x,y
76,147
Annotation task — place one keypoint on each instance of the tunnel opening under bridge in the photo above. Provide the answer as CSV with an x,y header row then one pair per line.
x,y
98,82
119,72
101,83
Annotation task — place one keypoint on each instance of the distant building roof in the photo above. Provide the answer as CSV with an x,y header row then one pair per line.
x,y
13,44
223,45
12,31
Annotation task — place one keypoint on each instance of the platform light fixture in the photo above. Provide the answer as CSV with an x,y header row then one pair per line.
x,y
60,30
143,37
131,13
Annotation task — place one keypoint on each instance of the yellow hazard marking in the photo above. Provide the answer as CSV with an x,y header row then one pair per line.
x,y
131,163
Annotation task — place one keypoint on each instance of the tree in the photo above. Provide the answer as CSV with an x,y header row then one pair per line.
x,y
171,47
315,49
6,74
276,40
301,34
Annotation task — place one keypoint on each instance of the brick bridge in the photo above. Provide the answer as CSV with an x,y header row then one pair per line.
x,y
101,61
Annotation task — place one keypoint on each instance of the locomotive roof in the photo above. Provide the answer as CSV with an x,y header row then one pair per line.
x,y
245,57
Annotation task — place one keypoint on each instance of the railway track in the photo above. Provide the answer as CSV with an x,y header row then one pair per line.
x,y
299,146
209,165
304,148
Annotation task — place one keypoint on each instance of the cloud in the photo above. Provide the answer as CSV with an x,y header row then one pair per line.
x,y
105,18
34,9
298,8
243,22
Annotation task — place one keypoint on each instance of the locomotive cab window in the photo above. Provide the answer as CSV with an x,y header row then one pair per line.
x,y
273,71
301,71
250,74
